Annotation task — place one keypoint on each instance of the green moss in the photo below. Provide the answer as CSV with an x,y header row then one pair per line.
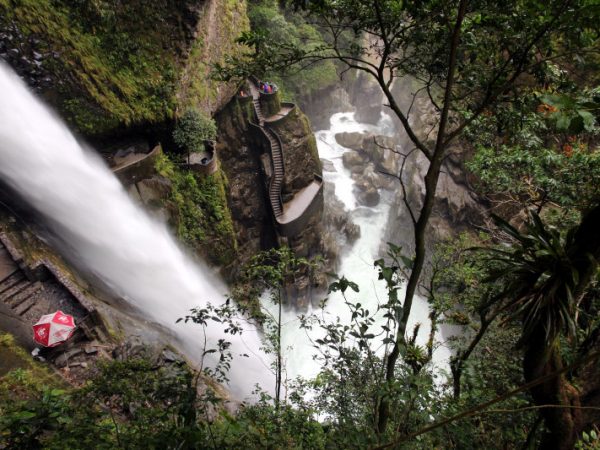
x,y
215,44
115,62
202,218
16,364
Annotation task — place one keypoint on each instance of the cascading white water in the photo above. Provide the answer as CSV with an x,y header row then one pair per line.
x,y
357,263
91,214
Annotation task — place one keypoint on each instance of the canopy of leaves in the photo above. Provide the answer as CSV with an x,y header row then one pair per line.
x,y
547,150
192,129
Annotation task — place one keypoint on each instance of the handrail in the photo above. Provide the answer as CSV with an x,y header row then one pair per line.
x,y
275,197
269,130
288,223
263,132
274,133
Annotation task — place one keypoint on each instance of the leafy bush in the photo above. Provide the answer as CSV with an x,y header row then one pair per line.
x,y
193,129
200,213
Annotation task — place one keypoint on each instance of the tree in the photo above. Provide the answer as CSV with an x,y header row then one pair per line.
x,y
192,130
547,278
273,270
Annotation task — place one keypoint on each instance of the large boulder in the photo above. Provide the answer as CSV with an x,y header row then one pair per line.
x,y
354,160
370,197
353,140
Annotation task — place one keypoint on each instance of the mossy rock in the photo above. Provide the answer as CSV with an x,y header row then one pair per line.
x,y
198,206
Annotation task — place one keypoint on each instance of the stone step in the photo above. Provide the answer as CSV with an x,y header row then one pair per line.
x,y
38,309
9,293
16,272
26,293
4,252
26,305
10,281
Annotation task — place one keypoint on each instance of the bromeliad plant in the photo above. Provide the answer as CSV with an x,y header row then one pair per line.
x,y
540,278
546,275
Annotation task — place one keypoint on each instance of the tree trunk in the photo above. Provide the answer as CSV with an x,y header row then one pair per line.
x,y
431,181
539,361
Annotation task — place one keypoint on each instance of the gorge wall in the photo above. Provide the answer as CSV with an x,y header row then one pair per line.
x,y
123,72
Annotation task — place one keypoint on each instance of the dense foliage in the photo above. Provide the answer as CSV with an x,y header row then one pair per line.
x,y
515,84
198,207
192,129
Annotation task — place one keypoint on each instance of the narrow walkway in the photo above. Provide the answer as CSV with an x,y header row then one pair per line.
x,y
294,209
294,215
284,111
276,155
27,300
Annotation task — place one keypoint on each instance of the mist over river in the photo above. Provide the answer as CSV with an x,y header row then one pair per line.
x,y
356,260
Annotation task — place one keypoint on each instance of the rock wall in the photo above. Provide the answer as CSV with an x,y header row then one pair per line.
x,y
247,195
300,154
116,67
241,155
456,204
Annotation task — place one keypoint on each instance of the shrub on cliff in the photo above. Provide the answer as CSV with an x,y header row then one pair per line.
x,y
193,128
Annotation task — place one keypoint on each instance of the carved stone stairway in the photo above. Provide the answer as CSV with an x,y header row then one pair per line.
x,y
276,155
16,291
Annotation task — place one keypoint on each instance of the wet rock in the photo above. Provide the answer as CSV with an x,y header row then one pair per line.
x,y
373,178
63,359
172,357
90,349
327,165
320,106
353,140
368,98
352,159
154,190
370,197
352,231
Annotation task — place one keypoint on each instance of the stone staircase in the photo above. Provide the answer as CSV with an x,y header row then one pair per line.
x,y
276,155
257,108
16,291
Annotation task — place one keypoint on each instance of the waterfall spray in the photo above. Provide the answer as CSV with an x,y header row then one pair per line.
x,y
103,230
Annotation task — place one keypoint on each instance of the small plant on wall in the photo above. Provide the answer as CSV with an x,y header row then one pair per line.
x,y
192,129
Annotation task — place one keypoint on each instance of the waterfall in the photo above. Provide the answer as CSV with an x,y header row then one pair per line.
x,y
101,229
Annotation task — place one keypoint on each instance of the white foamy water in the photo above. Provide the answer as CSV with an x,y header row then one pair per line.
x,y
103,230
357,261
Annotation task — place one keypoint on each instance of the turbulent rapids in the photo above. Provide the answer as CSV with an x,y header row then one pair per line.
x,y
357,261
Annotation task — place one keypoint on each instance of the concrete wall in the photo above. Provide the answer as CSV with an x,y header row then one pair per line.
x,y
138,170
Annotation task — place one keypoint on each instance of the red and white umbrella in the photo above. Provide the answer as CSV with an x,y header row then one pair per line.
x,y
52,329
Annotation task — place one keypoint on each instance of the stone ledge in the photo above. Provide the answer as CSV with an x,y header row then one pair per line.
x,y
139,169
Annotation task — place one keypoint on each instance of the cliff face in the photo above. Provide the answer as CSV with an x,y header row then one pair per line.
x,y
244,157
110,66
301,157
247,195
